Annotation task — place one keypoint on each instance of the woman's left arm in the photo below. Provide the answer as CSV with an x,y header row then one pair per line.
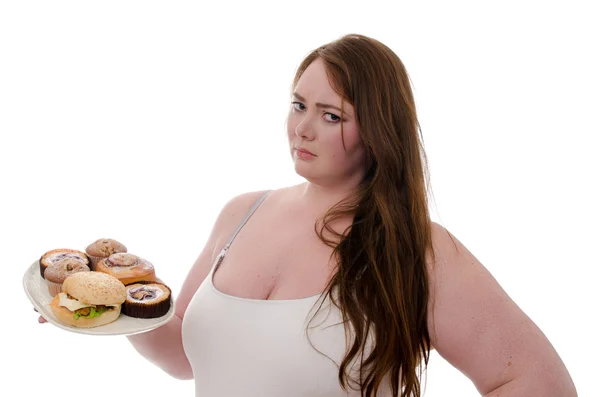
x,y
480,330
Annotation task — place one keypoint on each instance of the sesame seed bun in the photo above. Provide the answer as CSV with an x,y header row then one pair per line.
x,y
95,288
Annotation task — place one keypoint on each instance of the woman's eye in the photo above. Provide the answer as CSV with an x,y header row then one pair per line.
x,y
298,106
331,118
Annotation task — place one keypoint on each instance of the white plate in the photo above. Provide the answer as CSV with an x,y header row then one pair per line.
x,y
37,292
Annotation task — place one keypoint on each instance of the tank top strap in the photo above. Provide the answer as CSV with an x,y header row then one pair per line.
x,y
237,230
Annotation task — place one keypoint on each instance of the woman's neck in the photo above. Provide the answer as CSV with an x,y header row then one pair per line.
x,y
321,198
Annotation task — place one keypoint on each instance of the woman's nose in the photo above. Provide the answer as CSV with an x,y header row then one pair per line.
x,y
305,129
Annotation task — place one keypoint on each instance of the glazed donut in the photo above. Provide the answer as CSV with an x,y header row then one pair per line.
x,y
128,268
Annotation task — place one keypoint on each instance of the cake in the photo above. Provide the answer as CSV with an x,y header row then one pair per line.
x,y
57,272
56,255
102,249
147,300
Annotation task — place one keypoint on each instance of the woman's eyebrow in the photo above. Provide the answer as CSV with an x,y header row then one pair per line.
x,y
318,104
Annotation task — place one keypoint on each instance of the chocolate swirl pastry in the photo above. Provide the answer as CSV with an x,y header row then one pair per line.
x,y
147,300
56,255
128,268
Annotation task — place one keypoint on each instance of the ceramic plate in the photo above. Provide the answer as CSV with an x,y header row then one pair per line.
x,y
37,292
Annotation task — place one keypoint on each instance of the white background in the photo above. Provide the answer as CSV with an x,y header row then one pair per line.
x,y
139,120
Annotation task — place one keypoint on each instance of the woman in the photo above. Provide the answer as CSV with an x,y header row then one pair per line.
x,y
341,286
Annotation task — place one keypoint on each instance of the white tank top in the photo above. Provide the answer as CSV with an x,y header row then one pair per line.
x,y
240,347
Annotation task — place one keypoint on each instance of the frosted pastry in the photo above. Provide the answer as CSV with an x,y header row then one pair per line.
x,y
56,255
147,300
128,268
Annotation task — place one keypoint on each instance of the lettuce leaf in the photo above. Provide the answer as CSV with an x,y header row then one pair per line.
x,y
94,312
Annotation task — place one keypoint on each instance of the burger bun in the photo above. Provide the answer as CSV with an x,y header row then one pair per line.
x,y
95,288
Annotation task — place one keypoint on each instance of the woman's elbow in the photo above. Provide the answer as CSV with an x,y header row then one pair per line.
x,y
181,374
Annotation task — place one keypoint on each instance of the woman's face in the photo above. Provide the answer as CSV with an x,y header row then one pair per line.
x,y
314,125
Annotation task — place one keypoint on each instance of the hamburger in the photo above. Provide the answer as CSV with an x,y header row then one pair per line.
x,y
89,299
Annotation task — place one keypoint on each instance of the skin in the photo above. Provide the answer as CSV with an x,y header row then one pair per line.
x,y
334,171
472,322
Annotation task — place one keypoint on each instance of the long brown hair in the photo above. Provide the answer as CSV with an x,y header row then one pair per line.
x,y
381,278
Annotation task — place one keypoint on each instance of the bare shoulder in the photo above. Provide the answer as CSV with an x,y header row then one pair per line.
x,y
231,215
479,329
227,220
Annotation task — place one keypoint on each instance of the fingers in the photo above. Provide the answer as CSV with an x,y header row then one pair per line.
x,y
41,319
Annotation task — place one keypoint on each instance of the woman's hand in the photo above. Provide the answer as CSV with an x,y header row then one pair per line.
x,y
41,319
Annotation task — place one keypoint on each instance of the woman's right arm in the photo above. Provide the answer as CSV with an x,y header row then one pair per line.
x,y
164,346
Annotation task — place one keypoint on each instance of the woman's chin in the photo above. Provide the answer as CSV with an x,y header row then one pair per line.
x,y
302,170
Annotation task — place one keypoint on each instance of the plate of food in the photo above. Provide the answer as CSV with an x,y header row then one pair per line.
x,y
119,295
